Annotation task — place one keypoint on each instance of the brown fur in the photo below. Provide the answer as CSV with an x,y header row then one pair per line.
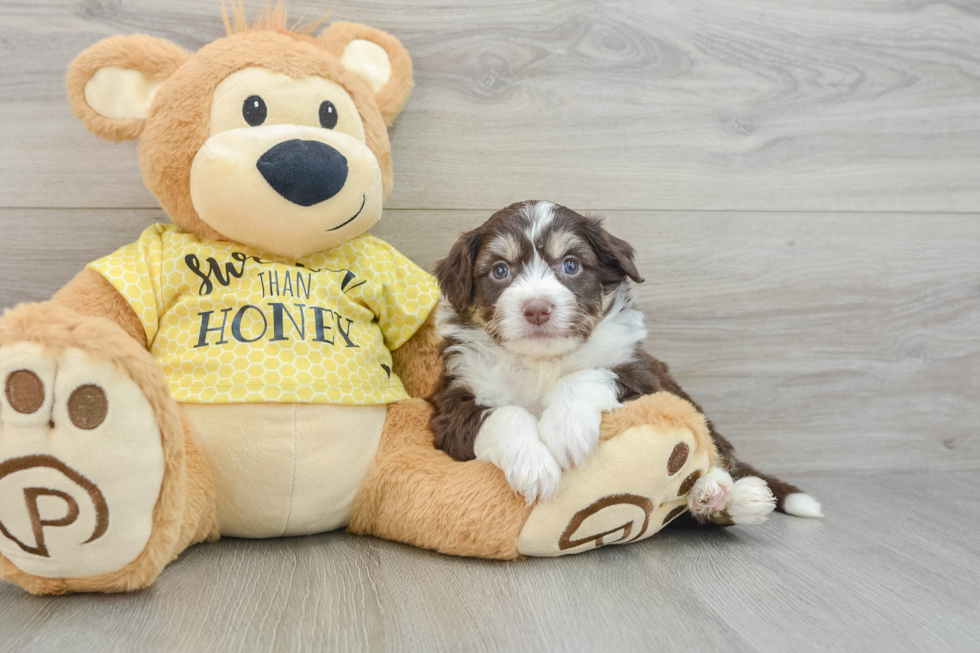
x,y
606,259
458,417
185,509
455,272
615,254
466,282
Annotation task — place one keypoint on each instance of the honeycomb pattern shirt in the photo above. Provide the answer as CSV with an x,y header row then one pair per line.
x,y
230,324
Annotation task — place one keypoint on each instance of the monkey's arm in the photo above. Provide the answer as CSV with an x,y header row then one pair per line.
x,y
89,293
417,361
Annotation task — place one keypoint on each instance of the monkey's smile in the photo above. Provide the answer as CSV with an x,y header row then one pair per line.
x,y
363,201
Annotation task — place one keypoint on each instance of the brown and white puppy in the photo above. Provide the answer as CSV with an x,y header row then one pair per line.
x,y
540,337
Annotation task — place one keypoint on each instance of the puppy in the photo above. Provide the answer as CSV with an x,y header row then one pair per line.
x,y
540,337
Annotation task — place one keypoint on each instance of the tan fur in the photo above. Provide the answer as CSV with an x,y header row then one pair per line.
x,y
185,505
660,410
416,494
417,361
273,18
201,512
156,58
505,246
559,242
391,98
167,152
89,293
413,493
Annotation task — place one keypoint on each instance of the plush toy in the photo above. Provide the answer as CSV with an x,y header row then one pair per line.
x,y
255,367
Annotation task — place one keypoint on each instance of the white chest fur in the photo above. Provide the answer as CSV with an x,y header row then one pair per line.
x,y
498,377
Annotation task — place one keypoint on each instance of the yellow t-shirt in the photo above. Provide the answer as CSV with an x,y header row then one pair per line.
x,y
232,325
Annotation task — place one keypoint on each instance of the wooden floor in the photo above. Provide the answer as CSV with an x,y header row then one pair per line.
x,y
893,567
802,181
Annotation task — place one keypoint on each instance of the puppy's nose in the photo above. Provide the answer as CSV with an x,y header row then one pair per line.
x,y
537,311
304,172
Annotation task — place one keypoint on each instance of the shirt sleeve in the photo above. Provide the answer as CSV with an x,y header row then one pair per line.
x,y
410,294
134,271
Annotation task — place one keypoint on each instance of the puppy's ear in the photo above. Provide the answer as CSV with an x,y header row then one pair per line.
x,y
615,254
455,272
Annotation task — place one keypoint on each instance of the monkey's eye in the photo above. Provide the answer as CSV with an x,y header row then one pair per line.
x,y
570,266
500,271
254,110
328,115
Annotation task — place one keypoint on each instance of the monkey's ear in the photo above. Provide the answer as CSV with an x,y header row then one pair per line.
x,y
455,272
112,83
378,59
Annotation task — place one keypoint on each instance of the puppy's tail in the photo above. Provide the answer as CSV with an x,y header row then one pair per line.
x,y
789,498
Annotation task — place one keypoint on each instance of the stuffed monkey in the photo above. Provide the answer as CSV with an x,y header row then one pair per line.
x,y
255,367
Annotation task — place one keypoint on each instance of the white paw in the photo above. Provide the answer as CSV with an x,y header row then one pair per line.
x,y
509,440
751,501
532,471
802,504
81,464
711,493
570,431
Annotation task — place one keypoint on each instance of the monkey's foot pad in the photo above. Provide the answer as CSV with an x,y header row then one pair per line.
x,y
81,463
632,486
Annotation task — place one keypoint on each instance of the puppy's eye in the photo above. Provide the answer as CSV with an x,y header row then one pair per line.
x,y
500,271
254,110
328,115
570,266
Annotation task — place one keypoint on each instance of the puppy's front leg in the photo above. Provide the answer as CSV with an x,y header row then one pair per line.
x,y
570,422
508,438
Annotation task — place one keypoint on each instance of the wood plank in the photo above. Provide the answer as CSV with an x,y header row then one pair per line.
x,y
851,582
316,594
815,342
883,571
759,105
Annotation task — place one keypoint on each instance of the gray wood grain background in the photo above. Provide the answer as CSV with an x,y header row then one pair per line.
x,y
802,182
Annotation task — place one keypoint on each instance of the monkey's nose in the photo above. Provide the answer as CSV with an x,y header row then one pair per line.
x,y
537,311
304,172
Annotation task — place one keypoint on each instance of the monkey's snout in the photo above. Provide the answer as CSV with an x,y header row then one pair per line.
x,y
304,172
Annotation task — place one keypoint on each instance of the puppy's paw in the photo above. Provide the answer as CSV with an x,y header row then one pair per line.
x,y
751,501
711,493
570,431
531,471
509,440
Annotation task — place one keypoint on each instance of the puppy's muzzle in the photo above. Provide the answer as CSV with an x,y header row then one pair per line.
x,y
537,311
304,172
